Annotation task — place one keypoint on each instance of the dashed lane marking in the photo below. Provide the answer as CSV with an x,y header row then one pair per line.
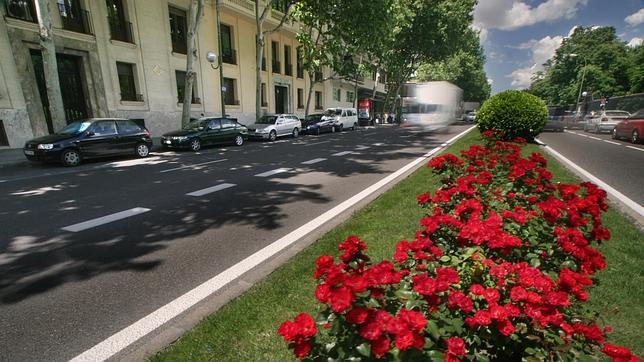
x,y
343,153
193,165
361,147
210,190
315,160
273,172
316,143
105,219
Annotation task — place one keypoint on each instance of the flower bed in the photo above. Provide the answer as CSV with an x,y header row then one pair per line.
x,y
499,271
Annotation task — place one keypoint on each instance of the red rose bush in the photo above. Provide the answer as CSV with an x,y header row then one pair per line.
x,y
499,270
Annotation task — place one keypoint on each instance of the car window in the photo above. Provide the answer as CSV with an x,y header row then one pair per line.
x,y
227,123
104,128
127,127
617,113
214,124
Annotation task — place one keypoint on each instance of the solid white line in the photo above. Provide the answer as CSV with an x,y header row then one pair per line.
x,y
583,135
273,172
636,148
343,153
315,160
209,190
105,219
316,143
618,195
595,138
122,339
196,164
612,143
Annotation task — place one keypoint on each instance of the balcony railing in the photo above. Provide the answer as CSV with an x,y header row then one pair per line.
x,y
229,56
120,30
77,20
300,72
276,67
21,9
288,69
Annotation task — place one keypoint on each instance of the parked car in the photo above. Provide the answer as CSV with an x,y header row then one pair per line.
x,y
470,116
605,121
342,118
272,126
205,132
90,138
313,124
631,128
554,123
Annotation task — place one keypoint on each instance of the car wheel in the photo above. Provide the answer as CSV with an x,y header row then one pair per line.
x,y
613,134
355,127
272,136
239,140
635,137
597,130
195,144
332,129
340,127
142,150
296,132
71,158
317,131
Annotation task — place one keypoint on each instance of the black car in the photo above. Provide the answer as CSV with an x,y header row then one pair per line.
x,y
313,124
206,131
90,138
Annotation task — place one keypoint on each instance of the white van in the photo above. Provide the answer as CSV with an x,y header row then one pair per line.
x,y
344,118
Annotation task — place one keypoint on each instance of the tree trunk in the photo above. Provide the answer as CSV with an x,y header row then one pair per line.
x,y
194,18
50,66
259,52
308,98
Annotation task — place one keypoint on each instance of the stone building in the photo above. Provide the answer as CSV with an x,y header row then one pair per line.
x,y
126,58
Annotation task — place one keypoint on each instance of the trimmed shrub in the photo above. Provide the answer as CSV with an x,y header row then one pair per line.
x,y
512,114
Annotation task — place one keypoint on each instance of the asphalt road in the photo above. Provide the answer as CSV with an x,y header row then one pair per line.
x,y
67,283
617,162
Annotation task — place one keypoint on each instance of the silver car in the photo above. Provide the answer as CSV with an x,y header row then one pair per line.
x,y
605,121
270,127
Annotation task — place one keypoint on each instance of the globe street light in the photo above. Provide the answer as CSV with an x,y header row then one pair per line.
x,y
583,76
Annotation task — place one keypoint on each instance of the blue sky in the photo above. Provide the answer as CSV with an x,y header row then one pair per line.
x,y
519,35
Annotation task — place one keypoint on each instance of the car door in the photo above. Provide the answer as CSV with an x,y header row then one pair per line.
x,y
212,133
280,125
100,139
228,131
128,135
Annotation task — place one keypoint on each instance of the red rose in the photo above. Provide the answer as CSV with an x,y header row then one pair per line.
x,y
341,299
505,327
414,319
302,348
357,315
424,198
380,346
617,352
323,293
456,346
404,340
518,294
491,295
370,331
322,265
306,325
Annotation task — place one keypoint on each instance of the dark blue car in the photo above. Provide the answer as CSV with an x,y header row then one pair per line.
x,y
313,124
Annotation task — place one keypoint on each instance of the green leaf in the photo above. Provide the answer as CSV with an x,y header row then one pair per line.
x,y
364,349
432,327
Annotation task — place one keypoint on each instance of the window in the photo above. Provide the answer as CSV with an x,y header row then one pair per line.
x,y
120,29
337,94
73,16
281,5
275,52
104,128
22,9
128,127
288,66
228,54
127,82
300,65
230,95
264,102
178,30
227,123
318,76
181,81
214,124
300,98
4,141
350,96
318,100
381,79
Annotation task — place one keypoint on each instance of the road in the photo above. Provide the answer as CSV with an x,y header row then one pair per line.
x,y
85,252
616,162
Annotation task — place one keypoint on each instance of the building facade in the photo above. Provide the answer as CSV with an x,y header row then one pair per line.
x,y
127,58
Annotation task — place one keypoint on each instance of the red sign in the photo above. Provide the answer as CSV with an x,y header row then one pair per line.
x,y
364,103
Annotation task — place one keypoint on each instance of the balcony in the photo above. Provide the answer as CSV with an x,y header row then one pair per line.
x,y
288,69
229,56
120,30
22,10
276,67
77,20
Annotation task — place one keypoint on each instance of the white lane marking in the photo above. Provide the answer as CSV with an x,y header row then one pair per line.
x,y
315,160
618,195
612,143
316,143
273,172
209,190
105,219
128,335
343,153
636,148
195,165
378,144
361,147
595,138
583,135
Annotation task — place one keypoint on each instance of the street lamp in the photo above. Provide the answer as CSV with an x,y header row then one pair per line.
x,y
583,76
211,57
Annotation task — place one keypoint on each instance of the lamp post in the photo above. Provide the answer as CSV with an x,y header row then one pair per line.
x,y
212,58
583,76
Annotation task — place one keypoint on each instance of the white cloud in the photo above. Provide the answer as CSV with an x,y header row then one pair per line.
x,y
542,50
482,33
635,42
635,19
490,81
513,14
572,30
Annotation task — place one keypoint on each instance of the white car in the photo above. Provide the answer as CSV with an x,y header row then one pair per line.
x,y
272,126
343,118
605,121
470,116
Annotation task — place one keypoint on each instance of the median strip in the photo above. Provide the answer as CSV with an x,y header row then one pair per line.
x,y
105,219
210,190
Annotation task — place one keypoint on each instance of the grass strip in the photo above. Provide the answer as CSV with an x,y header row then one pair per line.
x,y
245,329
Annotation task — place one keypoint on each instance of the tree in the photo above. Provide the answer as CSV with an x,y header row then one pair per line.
x,y
50,65
194,18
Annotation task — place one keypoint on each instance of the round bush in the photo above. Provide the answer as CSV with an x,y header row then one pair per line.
x,y
512,114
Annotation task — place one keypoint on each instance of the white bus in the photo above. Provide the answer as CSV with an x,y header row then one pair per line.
x,y
432,105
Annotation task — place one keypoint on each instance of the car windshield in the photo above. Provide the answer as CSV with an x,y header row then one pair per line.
x,y
617,113
267,120
314,117
75,128
333,112
638,114
195,125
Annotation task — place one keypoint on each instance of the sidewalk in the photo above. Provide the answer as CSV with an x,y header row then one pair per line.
x,y
12,157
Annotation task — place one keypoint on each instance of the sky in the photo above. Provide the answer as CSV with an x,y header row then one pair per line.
x,y
520,35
